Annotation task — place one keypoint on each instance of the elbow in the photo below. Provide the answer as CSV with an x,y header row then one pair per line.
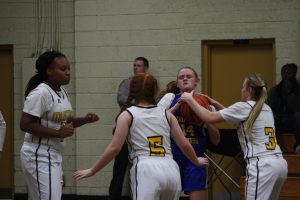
x,y
216,141
115,150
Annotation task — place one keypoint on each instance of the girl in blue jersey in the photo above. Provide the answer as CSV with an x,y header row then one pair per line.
x,y
193,177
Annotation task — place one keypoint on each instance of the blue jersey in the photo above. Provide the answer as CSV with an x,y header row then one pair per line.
x,y
195,133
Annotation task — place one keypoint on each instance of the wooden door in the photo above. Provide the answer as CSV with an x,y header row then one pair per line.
x,y
6,107
225,65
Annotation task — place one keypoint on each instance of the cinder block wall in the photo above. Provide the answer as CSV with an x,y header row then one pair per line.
x,y
110,34
17,29
102,37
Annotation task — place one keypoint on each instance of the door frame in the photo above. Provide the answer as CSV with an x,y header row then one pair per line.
x,y
206,55
9,192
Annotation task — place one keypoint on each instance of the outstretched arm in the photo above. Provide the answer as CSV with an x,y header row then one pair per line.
x,y
204,114
88,118
111,150
183,143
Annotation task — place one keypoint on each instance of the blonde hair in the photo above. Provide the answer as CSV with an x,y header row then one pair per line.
x,y
259,94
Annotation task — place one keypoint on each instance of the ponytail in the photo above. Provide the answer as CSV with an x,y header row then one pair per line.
x,y
259,95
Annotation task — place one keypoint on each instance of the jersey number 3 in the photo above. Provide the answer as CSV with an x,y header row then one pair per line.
x,y
272,143
155,145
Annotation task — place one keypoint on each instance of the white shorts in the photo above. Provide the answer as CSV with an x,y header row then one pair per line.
x,y
155,178
264,177
42,168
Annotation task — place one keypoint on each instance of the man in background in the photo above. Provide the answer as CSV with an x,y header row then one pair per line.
x,y
140,65
284,99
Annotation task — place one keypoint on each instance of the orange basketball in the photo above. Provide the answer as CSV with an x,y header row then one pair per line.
x,y
189,114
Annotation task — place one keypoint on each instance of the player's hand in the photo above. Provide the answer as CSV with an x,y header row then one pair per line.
x,y
187,96
203,161
84,173
91,117
66,130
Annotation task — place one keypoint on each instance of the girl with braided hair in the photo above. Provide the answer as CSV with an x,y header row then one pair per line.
x,y
47,121
266,168
147,129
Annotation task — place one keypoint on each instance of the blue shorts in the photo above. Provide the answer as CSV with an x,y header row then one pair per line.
x,y
193,178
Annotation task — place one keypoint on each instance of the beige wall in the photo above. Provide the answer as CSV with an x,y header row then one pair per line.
x,y
102,37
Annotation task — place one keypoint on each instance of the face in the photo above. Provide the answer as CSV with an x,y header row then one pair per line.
x,y
245,92
139,67
287,74
186,80
59,72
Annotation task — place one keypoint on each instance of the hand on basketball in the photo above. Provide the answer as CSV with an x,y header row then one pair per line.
x,y
203,161
187,96
91,117
84,173
66,130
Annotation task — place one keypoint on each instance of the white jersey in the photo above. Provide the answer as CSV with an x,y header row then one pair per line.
x,y
154,173
2,131
54,109
166,100
263,140
144,139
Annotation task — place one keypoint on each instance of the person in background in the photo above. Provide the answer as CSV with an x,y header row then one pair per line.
x,y
284,100
168,93
2,133
140,65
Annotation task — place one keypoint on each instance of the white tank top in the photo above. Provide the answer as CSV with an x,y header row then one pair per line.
x,y
263,139
149,133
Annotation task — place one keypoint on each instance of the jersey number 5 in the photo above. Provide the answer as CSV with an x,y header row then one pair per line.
x,y
155,145
272,143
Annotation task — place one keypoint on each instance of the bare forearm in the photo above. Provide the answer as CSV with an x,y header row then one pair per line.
x,y
217,105
77,121
189,152
40,131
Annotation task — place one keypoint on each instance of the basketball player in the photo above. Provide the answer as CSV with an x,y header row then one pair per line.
x,y
2,133
147,128
266,168
194,178
47,120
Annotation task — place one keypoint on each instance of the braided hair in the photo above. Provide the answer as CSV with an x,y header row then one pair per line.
x,y
43,62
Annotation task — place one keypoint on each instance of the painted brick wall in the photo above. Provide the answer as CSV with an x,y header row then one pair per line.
x,y
102,37
17,29
109,34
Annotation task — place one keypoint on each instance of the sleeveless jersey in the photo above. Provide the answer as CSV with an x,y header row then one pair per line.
x,y
53,108
263,140
195,133
149,133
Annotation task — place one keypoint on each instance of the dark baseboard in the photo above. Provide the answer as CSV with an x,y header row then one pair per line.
x,y
78,197
6,193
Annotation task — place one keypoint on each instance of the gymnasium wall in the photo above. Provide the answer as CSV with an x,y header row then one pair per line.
x,y
102,37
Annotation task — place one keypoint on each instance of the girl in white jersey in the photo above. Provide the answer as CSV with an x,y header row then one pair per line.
x,y
147,128
266,168
47,120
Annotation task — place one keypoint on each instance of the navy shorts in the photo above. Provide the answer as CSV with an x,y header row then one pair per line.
x,y
193,178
